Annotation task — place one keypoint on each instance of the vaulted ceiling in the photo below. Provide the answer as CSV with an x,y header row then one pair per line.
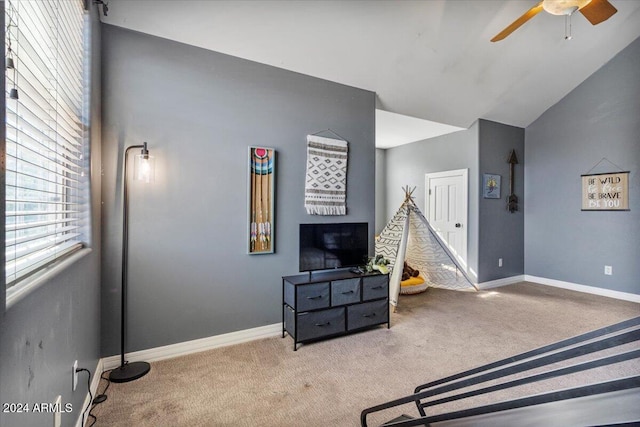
x,y
428,59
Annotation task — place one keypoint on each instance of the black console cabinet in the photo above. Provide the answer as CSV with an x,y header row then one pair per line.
x,y
327,304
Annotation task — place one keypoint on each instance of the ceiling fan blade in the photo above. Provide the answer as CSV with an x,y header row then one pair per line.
x,y
518,22
598,11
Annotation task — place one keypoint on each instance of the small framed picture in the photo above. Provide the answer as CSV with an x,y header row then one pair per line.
x,y
491,186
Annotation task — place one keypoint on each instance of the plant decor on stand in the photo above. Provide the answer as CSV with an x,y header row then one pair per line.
x,y
378,263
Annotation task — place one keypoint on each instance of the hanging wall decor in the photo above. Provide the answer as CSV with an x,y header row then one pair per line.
x,y
605,192
512,199
261,200
325,188
491,186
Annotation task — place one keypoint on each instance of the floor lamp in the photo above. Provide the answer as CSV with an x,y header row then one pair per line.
x,y
143,171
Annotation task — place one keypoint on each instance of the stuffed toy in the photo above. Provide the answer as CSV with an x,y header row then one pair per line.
x,y
408,272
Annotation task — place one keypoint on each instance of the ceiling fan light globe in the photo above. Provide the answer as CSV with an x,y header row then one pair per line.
x,y
563,7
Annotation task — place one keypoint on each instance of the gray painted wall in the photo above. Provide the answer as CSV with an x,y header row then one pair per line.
x,y
42,334
381,194
408,164
501,233
493,232
190,276
599,119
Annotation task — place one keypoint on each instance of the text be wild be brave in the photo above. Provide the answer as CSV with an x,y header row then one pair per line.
x,y
604,192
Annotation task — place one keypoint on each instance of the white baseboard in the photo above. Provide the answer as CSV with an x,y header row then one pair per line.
x,y
501,282
584,288
195,346
95,382
560,284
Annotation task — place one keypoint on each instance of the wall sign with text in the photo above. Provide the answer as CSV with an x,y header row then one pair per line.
x,y
605,192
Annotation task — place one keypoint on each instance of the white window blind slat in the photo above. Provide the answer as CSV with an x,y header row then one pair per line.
x,y
45,203
25,226
34,134
39,213
33,192
33,147
29,119
14,253
27,157
44,105
35,236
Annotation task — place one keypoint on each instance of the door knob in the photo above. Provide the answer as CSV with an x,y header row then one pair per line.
x,y
458,225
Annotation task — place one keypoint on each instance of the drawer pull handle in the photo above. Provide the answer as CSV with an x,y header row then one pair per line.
x,y
347,293
369,315
323,324
378,287
316,297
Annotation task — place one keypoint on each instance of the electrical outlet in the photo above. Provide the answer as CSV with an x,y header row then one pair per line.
x,y
75,375
499,262
608,270
57,413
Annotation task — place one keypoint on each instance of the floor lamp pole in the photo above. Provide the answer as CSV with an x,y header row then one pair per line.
x,y
127,371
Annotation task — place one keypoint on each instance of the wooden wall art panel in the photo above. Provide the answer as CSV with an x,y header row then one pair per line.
x,y
261,200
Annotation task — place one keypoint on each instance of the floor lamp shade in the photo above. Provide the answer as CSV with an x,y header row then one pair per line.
x,y
144,166
143,170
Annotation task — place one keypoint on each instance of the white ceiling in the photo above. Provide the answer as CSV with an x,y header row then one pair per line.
x,y
394,129
427,59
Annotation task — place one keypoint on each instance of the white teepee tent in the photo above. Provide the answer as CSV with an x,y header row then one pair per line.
x,y
409,237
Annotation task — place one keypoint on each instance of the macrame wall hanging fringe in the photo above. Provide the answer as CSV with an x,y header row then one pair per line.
x,y
325,190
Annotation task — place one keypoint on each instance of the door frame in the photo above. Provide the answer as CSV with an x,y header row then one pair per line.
x,y
464,174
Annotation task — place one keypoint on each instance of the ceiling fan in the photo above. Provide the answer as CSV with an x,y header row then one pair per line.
x,y
596,11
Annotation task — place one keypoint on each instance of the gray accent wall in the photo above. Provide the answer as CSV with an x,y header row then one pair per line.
x,y
42,334
190,275
492,231
501,233
599,119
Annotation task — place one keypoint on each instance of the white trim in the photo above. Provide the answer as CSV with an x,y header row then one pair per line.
x,y
583,288
444,174
560,284
195,346
95,382
501,282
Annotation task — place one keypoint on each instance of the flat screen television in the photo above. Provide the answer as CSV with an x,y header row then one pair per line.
x,y
335,245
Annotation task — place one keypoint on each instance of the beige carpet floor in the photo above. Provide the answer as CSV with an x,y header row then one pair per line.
x,y
328,383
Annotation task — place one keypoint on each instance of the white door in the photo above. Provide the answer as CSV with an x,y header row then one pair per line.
x,y
446,209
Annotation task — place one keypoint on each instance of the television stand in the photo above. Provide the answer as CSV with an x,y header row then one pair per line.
x,y
334,303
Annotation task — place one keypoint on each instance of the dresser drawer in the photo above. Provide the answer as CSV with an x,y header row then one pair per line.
x,y
345,291
375,287
309,297
367,314
320,323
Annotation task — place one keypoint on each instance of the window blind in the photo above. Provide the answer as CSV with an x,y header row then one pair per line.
x,y
46,134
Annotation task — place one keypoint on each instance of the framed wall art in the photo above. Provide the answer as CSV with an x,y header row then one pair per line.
x,y
261,200
491,186
605,192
